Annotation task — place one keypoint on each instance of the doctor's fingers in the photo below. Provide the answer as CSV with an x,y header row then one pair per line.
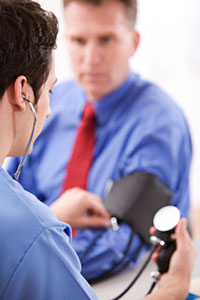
x,y
184,242
182,236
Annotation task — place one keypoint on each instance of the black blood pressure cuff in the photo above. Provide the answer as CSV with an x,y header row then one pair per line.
x,y
135,199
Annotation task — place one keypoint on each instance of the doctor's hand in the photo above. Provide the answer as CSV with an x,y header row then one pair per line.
x,y
175,283
80,209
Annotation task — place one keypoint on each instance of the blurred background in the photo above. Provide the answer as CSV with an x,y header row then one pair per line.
x,y
169,54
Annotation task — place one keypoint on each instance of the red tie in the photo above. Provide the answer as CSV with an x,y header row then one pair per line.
x,y
82,155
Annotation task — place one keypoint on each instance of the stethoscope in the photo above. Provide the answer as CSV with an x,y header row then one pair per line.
x,y
20,167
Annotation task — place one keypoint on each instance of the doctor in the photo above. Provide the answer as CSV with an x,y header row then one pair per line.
x,y
37,261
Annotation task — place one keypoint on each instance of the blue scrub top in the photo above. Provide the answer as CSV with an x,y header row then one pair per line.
x,y
139,128
37,260
192,297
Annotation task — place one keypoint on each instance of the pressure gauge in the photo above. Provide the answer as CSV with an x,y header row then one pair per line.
x,y
166,218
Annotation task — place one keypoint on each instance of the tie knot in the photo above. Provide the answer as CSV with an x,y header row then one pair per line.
x,y
88,112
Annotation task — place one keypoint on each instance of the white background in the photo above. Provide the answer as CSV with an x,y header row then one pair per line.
x,y
169,54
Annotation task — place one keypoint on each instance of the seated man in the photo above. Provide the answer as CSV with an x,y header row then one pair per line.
x,y
138,128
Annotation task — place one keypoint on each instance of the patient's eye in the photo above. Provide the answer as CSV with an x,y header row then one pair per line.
x,y
78,40
105,40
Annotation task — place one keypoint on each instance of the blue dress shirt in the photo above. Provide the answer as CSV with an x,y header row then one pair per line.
x,y
139,128
37,261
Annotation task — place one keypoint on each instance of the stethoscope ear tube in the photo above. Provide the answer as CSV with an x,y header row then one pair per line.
x,y
138,274
20,167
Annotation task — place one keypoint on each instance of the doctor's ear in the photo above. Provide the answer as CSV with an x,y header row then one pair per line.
x,y
21,90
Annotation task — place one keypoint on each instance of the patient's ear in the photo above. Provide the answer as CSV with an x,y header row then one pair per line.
x,y
136,41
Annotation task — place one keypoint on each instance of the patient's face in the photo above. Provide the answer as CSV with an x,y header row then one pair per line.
x,y
100,43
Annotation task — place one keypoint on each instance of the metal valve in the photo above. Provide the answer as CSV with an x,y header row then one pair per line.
x,y
114,224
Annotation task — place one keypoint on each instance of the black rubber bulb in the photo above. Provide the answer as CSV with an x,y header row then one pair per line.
x,y
165,256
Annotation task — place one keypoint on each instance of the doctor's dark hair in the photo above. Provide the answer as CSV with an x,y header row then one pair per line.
x,y
27,37
130,7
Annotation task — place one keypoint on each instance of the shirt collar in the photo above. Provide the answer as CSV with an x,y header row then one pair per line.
x,y
104,107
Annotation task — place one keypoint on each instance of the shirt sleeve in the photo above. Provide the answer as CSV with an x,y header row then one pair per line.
x,y
49,270
165,152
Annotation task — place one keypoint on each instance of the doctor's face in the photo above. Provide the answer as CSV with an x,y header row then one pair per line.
x,y
100,42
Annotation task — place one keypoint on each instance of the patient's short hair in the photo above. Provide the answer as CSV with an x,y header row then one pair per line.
x,y
130,6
